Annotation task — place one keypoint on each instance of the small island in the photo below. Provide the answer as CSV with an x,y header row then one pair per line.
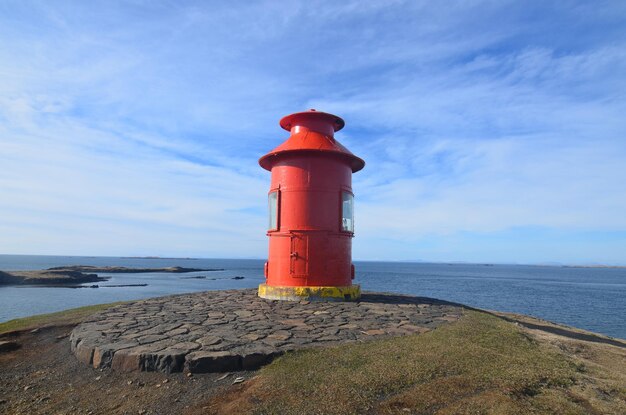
x,y
80,274
128,270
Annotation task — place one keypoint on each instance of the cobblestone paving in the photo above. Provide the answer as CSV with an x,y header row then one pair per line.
x,y
219,331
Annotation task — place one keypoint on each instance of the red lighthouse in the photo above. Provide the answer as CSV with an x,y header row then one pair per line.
x,y
311,222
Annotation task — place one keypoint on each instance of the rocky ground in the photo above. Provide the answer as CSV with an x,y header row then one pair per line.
x,y
217,331
43,377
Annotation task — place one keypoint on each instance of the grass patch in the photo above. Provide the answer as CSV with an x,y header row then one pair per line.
x,y
481,364
65,317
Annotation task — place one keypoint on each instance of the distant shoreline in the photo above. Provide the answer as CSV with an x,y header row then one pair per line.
x,y
593,266
158,257
356,260
81,274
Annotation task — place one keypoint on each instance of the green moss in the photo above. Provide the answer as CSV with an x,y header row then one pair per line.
x,y
71,316
480,364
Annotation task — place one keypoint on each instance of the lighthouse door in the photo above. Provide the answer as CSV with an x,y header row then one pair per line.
x,y
299,256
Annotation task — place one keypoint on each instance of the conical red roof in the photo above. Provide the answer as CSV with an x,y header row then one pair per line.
x,y
311,131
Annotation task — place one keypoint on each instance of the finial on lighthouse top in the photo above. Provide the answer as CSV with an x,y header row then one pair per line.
x,y
312,120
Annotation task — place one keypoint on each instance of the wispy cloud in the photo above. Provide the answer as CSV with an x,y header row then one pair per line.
x,y
134,128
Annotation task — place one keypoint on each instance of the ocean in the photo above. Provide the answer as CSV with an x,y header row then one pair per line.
x,y
589,298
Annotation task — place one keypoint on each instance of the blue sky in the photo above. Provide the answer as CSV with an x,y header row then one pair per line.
x,y
492,131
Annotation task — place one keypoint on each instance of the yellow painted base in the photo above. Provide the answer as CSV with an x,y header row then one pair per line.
x,y
349,293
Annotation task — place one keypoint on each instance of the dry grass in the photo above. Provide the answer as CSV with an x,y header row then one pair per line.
x,y
482,364
66,317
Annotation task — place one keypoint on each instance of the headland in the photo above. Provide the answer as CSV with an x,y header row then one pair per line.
x,y
80,274
387,353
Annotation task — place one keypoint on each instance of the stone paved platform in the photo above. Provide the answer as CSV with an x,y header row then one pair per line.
x,y
232,330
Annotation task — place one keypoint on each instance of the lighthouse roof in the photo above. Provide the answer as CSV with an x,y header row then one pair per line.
x,y
311,132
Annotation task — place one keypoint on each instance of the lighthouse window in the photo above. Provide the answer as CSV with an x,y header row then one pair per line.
x,y
347,212
273,209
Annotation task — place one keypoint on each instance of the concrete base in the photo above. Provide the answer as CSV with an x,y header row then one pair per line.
x,y
348,293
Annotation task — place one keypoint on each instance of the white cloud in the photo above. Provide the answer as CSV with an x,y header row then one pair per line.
x,y
132,129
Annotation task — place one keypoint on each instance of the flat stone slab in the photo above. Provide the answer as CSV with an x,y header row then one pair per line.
x,y
220,331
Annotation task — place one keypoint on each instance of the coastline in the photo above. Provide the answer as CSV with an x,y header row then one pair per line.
x,y
591,298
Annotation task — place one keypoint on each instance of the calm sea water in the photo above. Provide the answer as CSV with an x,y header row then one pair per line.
x,y
589,298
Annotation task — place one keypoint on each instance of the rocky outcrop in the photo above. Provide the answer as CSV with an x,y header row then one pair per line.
x,y
9,279
79,274
219,331
8,346
127,270
47,277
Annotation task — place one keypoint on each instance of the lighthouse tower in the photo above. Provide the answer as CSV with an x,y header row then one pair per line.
x,y
311,212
